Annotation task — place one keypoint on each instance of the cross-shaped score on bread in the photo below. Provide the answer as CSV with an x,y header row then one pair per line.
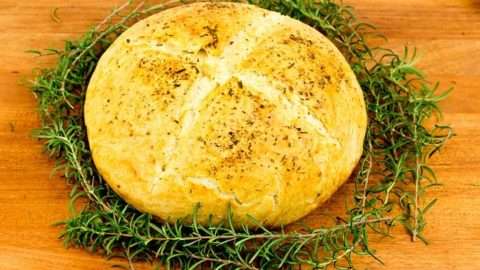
x,y
217,70
224,104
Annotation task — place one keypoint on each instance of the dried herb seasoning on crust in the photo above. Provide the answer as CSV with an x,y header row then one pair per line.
x,y
224,104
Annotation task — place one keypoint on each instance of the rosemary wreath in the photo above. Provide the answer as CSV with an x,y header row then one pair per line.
x,y
390,181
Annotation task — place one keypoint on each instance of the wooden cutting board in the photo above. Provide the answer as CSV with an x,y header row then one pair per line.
x,y
447,33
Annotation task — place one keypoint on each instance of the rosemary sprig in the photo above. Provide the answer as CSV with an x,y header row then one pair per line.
x,y
392,176
399,100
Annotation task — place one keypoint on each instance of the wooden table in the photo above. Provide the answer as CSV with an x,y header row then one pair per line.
x,y
447,33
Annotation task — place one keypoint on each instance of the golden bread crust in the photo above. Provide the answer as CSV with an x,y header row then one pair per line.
x,y
222,104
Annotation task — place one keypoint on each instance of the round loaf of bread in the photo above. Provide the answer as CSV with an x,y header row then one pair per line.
x,y
224,105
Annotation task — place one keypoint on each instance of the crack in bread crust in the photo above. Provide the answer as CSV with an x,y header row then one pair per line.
x,y
296,109
238,49
218,118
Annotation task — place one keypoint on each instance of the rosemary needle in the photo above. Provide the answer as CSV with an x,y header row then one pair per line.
x,y
54,15
390,183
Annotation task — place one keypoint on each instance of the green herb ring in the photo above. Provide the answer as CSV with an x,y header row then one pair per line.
x,y
390,182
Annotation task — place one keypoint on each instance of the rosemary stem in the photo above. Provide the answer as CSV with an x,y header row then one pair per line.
x,y
417,180
91,45
249,236
115,12
76,164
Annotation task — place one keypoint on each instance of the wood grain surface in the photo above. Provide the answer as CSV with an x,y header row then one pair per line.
x,y
447,33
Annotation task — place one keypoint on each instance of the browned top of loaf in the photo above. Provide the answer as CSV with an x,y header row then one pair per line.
x,y
221,104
